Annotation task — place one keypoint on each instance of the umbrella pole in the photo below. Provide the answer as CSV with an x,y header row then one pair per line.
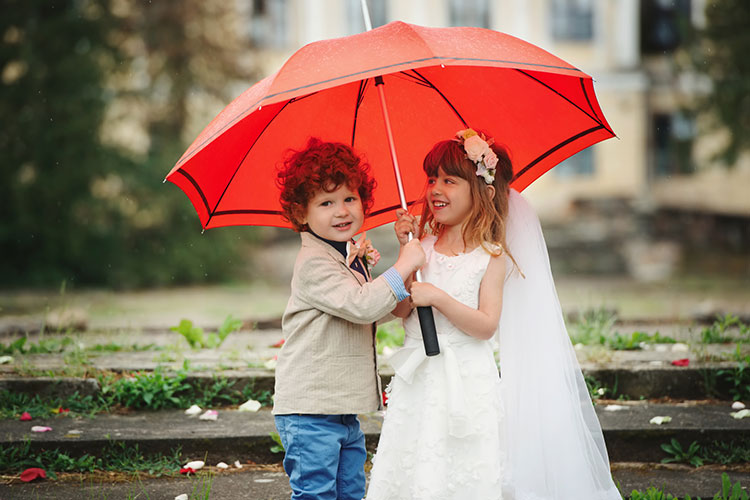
x,y
426,317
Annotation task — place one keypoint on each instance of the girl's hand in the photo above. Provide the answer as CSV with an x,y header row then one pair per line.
x,y
405,224
424,294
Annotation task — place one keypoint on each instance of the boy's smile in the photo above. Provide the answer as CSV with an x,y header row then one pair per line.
x,y
337,215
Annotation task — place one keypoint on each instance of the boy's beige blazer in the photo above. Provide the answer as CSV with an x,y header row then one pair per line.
x,y
328,363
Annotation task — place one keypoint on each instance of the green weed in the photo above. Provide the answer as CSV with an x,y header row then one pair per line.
x,y
690,456
738,377
718,332
199,340
116,456
729,492
390,335
654,494
279,446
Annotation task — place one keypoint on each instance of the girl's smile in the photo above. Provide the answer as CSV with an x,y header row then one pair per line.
x,y
449,198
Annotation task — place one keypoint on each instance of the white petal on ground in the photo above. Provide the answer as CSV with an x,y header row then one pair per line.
x,y
195,465
210,415
193,410
270,364
237,464
222,465
181,497
5,360
615,408
738,405
250,405
40,428
658,420
680,347
740,414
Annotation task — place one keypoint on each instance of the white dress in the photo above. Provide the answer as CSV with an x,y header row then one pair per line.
x,y
442,434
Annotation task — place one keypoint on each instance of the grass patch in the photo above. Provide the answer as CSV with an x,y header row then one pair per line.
x,y
116,456
596,327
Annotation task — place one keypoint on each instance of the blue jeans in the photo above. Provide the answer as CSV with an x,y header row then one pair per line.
x,y
325,456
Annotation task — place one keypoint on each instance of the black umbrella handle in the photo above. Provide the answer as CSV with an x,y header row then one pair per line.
x,y
429,334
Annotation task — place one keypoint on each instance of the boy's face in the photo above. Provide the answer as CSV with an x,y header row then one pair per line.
x,y
337,215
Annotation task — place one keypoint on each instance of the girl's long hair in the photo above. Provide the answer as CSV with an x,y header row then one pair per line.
x,y
485,225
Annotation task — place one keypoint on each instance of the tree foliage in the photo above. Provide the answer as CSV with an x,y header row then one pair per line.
x,y
91,211
721,52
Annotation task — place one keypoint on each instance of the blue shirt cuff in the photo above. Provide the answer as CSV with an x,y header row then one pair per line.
x,y
396,283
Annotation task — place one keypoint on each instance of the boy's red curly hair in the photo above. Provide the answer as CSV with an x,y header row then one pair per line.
x,y
321,166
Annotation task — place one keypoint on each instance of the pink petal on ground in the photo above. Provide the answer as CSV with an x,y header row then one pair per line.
x,y
40,428
681,362
33,473
25,417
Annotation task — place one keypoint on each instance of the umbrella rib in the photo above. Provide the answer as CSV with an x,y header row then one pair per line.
x,y
586,94
197,188
552,150
211,213
594,118
245,211
360,98
388,209
441,95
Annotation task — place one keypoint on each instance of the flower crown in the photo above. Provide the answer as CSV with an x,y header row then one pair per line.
x,y
478,150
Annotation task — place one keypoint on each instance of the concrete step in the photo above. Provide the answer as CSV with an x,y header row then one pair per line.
x,y
630,379
271,483
246,436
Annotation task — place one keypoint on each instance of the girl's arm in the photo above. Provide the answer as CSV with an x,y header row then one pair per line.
x,y
481,322
405,224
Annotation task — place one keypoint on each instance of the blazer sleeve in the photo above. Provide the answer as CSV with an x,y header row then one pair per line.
x,y
329,286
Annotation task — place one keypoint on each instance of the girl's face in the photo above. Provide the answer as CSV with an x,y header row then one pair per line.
x,y
449,198
337,215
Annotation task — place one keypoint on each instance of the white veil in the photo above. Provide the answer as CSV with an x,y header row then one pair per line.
x,y
555,447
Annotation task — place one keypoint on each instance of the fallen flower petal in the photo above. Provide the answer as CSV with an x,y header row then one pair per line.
x,y
615,408
60,410
250,405
738,405
681,362
279,343
237,464
222,465
40,428
740,414
33,473
660,420
193,410
270,364
6,359
195,465
210,415
187,470
181,497
25,417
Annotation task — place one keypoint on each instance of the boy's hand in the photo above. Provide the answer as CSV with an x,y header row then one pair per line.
x,y
424,294
411,258
405,224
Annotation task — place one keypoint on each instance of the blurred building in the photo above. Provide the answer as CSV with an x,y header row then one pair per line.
x,y
628,46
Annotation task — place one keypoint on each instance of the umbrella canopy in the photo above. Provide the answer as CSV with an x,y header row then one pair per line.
x,y
437,81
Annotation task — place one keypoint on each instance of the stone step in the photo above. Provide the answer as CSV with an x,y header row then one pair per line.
x,y
246,436
630,379
270,483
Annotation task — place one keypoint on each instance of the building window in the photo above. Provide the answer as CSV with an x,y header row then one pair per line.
x,y
572,20
474,13
378,14
580,164
268,23
664,24
673,136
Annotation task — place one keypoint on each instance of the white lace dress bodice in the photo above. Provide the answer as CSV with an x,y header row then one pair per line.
x,y
442,434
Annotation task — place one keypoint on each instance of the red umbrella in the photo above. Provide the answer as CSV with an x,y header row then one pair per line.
x,y
437,81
